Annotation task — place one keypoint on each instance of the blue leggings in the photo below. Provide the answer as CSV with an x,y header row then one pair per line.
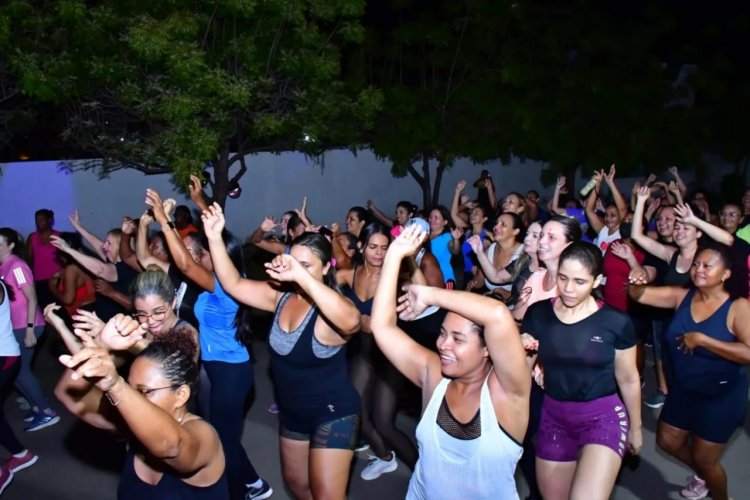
x,y
26,382
231,384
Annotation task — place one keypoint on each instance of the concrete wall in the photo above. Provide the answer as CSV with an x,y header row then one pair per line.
x,y
273,184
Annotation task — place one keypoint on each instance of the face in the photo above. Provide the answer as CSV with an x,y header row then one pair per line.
x,y
512,203
460,347
665,222
503,229
477,216
284,221
5,249
374,252
344,241
42,222
353,224
730,217
402,215
575,282
552,241
628,218
181,218
157,248
708,270
437,221
111,247
531,241
531,195
612,218
154,312
199,254
296,231
146,374
310,261
684,234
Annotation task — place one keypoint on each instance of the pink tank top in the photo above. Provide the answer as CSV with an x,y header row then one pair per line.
x,y
536,284
45,263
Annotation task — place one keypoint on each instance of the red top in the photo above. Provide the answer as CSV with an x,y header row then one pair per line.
x,y
617,270
85,294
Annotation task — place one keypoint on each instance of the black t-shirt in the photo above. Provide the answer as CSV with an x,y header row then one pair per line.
x,y
186,293
579,359
738,282
105,307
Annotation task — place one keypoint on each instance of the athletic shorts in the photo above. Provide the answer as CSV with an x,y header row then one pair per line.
x,y
339,433
713,417
566,427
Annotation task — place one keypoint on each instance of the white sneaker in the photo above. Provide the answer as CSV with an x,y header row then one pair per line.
x,y
377,467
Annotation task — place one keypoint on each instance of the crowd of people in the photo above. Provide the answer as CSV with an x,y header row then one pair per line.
x,y
518,331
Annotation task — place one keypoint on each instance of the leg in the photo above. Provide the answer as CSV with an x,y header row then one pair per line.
x,y
26,382
362,375
705,456
8,369
658,327
596,473
294,467
230,385
329,472
387,386
675,442
555,478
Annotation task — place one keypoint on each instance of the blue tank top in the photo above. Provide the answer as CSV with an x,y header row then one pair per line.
x,y
703,370
311,380
169,487
363,306
470,259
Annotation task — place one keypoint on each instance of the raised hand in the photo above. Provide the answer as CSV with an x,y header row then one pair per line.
x,y
285,268
636,187
50,315
621,249
408,242
598,176
335,228
87,323
268,224
456,233
476,243
672,186
644,193
213,222
120,333
610,177
169,206
154,201
59,243
412,303
95,365
195,189
674,171
460,186
651,178
75,219
560,182
684,213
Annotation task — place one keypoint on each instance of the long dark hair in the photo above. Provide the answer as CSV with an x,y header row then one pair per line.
x,y
322,248
368,232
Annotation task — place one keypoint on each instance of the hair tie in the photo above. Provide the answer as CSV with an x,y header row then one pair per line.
x,y
333,262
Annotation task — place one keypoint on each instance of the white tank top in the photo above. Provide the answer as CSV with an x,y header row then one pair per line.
x,y
450,468
8,343
491,257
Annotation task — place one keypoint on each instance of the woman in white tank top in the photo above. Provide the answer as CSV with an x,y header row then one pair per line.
x,y
475,393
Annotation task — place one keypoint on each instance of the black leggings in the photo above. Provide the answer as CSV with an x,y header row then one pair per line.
x,y
9,366
379,385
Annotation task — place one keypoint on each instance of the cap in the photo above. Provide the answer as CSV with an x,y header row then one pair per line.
x,y
423,225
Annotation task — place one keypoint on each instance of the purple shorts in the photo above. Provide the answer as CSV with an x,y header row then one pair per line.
x,y
566,427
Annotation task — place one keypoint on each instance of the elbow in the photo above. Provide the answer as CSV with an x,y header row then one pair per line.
x,y
167,446
352,326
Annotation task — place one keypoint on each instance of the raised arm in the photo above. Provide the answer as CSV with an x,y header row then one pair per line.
x,y
196,193
554,203
141,245
182,258
650,245
594,221
493,275
620,203
257,294
104,270
383,218
678,181
686,216
455,209
420,365
491,192
94,242
127,254
274,247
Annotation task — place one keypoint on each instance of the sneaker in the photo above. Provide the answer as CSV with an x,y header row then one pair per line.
x,y
6,476
14,463
377,467
657,401
362,445
42,420
259,492
30,415
695,489
273,409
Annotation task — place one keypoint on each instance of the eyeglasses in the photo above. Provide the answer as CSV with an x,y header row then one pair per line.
x,y
156,316
730,215
148,390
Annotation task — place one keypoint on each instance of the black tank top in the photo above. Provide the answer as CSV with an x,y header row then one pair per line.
x,y
169,487
673,277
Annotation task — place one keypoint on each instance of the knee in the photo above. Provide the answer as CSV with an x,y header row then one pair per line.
x,y
667,443
702,463
299,486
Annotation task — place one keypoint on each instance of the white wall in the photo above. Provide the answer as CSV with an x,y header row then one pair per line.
x,y
273,184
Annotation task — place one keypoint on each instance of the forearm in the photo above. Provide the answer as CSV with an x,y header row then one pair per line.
x,y
381,216
69,339
736,352
454,246
493,275
630,389
98,268
226,273
476,308
622,207
94,242
714,232
336,308
121,299
257,236
455,212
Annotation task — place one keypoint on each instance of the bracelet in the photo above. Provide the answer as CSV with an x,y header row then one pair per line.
x,y
170,226
29,325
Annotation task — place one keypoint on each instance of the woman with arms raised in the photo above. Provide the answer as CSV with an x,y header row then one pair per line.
x,y
172,453
319,406
475,392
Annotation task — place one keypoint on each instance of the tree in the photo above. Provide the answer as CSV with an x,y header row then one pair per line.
x,y
178,86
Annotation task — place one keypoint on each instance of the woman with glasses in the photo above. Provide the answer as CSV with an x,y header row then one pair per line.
x,y
224,331
172,453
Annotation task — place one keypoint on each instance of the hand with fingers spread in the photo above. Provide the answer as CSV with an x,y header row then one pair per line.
x,y
154,201
128,225
59,243
457,232
460,186
476,244
412,303
560,182
268,224
120,333
407,243
644,193
685,214
621,249
213,222
87,323
93,364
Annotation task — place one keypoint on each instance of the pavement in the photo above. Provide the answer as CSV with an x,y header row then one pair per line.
x,y
79,463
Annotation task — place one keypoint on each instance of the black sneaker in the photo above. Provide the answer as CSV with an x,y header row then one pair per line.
x,y
259,492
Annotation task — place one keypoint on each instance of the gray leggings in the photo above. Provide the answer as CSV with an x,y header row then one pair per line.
x,y
26,382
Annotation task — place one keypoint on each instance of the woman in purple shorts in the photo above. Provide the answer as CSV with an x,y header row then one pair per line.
x,y
586,350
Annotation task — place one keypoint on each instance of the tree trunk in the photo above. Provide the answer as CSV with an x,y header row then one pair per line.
x,y
221,176
423,180
442,165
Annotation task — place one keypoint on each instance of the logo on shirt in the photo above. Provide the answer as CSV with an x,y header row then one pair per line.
x,y
597,339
